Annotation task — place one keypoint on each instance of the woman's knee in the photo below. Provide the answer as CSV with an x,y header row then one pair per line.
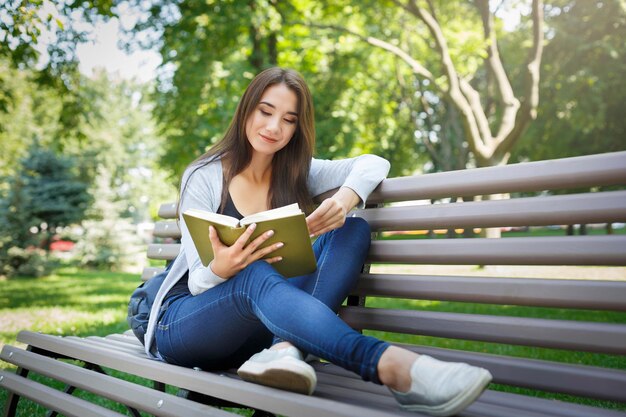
x,y
358,231
358,225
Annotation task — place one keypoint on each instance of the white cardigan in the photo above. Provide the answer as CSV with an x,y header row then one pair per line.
x,y
204,191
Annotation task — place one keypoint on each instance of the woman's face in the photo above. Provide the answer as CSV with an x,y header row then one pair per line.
x,y
273,122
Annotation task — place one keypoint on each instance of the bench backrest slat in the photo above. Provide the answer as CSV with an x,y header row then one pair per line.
x,y
604,207
558,334
571,250
578,172
167,251
167,210
562,293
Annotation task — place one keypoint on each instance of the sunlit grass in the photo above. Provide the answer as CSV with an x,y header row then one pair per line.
x,y
83,303
70,302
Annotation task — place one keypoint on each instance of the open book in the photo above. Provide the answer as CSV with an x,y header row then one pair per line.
x,y
288,224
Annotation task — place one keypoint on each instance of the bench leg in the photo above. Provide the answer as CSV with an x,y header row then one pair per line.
x,y
261,413
13,398
69,389
217,402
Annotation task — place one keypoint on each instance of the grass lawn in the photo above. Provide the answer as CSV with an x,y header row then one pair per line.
x,y
79,302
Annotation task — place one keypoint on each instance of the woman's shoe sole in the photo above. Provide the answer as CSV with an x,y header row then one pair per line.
x,y
285,373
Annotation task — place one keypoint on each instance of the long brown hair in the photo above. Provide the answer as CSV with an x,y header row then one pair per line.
x,y
290,165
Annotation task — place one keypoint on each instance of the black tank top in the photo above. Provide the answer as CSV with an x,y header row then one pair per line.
x,y
181,286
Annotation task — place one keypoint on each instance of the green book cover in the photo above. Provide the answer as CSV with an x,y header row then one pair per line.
x,y
297,252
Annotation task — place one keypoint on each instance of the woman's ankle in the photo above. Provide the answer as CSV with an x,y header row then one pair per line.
x,y
281,345
394,368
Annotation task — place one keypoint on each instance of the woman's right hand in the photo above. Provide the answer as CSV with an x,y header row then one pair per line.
x,y
229,260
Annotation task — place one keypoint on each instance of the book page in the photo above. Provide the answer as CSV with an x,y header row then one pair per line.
x,y
277,213
213,217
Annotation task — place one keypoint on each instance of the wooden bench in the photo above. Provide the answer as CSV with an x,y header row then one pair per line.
x,y
341,393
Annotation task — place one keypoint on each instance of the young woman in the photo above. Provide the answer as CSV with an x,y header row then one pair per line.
x,y
220,316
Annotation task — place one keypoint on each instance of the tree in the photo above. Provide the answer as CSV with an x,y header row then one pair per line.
x,y
497,109
43,195
48,193
583,83
62,23
211,51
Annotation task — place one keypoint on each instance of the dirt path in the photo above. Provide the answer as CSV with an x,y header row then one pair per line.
x,y
511,271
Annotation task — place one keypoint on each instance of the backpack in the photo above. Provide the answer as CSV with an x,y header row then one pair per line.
x,y
141,302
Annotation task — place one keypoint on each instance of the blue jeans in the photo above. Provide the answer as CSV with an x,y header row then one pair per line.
x,y
223,326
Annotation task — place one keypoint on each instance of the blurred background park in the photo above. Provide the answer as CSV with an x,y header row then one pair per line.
x,y
104,103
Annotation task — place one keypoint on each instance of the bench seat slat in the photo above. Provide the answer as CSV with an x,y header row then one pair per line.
x,y
562,293
491,403
602,207
52,399
577,172
124,392
544,407
579,380
130,339
559,334
126,347
252,395
571,250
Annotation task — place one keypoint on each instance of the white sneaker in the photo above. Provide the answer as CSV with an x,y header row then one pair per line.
x,y
282,368
442,388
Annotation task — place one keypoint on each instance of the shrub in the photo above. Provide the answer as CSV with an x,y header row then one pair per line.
x,y
31,262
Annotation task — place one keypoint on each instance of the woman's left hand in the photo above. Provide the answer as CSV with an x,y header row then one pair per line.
x,y
331,214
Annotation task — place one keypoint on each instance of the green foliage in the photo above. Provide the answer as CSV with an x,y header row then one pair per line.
x,y
108,240
582,88
43,195
53,193
28,262
212,50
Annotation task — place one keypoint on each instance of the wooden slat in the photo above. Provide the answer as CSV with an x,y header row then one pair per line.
x,y
167,229
544,407
605,207
252,395
580,380
163,251
125,338
154,402
338,383
112,344
577,172
558,334
149,272
167,211
570,250
561,293
51,398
